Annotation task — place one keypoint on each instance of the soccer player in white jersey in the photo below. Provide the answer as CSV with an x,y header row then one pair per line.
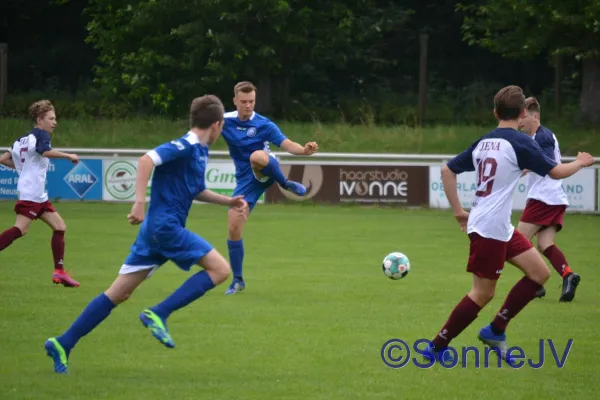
x,y
498,159
29,155
547,203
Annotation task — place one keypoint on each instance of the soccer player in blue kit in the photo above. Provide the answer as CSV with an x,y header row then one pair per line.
x,y
248,135
179,168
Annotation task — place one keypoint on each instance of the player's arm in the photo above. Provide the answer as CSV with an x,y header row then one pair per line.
x,y
459,164
530,156
285,144
6,160
208,196
43,147
142,177
161,155
562,171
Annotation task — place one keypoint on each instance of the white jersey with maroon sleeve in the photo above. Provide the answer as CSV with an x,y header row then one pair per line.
x,y
546,189
498,160
31,165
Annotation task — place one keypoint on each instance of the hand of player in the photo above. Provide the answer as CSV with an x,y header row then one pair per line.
x,y
238,203
74,158
586,159
462,218
136,216
310,148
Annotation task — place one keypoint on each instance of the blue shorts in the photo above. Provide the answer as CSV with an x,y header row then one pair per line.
x,y
150,251
252,189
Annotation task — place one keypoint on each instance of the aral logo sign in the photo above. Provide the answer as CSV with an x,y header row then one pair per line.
x,y
80,179
119,180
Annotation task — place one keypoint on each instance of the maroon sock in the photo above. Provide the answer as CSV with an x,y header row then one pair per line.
x,y
58,248
9,236
463,314
558,260
519,296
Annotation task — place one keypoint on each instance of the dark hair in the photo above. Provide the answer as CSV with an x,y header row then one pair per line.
x,y
39,109
244,87
532,105
205,111
509,103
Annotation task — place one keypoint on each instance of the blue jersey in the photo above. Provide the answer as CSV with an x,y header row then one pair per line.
x,y
245,137
178,177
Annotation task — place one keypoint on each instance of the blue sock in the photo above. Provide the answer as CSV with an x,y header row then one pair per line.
x,y
236,257
273,171
191,290
96,312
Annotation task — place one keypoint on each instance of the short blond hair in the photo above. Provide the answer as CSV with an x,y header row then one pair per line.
x,y
532,105
244,87
39,109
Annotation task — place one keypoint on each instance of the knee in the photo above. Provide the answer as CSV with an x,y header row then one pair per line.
x,y
60,226
220,273
540,275
118,297
259,159
542,245
235,227
482,297
23,229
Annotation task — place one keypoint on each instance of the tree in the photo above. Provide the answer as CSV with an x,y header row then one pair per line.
x,y
163,52
526,28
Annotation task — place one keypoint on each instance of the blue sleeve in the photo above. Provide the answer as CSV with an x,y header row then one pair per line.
x,y
546,142
275,136
42,138
170,151
531,156
464,161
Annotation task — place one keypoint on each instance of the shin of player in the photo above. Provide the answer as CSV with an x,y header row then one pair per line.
x,y
248,135
498,160
29,156
546,203
179,170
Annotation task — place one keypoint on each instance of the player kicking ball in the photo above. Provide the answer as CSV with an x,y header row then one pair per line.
x,y
498,159
547,203
179,168
30,156
248,135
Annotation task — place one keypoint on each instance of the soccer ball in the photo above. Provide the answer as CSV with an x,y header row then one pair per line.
x,y
396,266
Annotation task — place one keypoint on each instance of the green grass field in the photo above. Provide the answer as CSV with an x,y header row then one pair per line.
x,y
148,133
311,323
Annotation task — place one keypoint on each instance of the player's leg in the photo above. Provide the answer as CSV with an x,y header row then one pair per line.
x,y
18,230
264,164
546,246
235,245
216,269
520,253
252,191
529,230
58,348
486,261
26,211
53,219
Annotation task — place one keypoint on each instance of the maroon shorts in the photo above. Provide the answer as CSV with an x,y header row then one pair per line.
x,y
33,210
487,256
539,213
